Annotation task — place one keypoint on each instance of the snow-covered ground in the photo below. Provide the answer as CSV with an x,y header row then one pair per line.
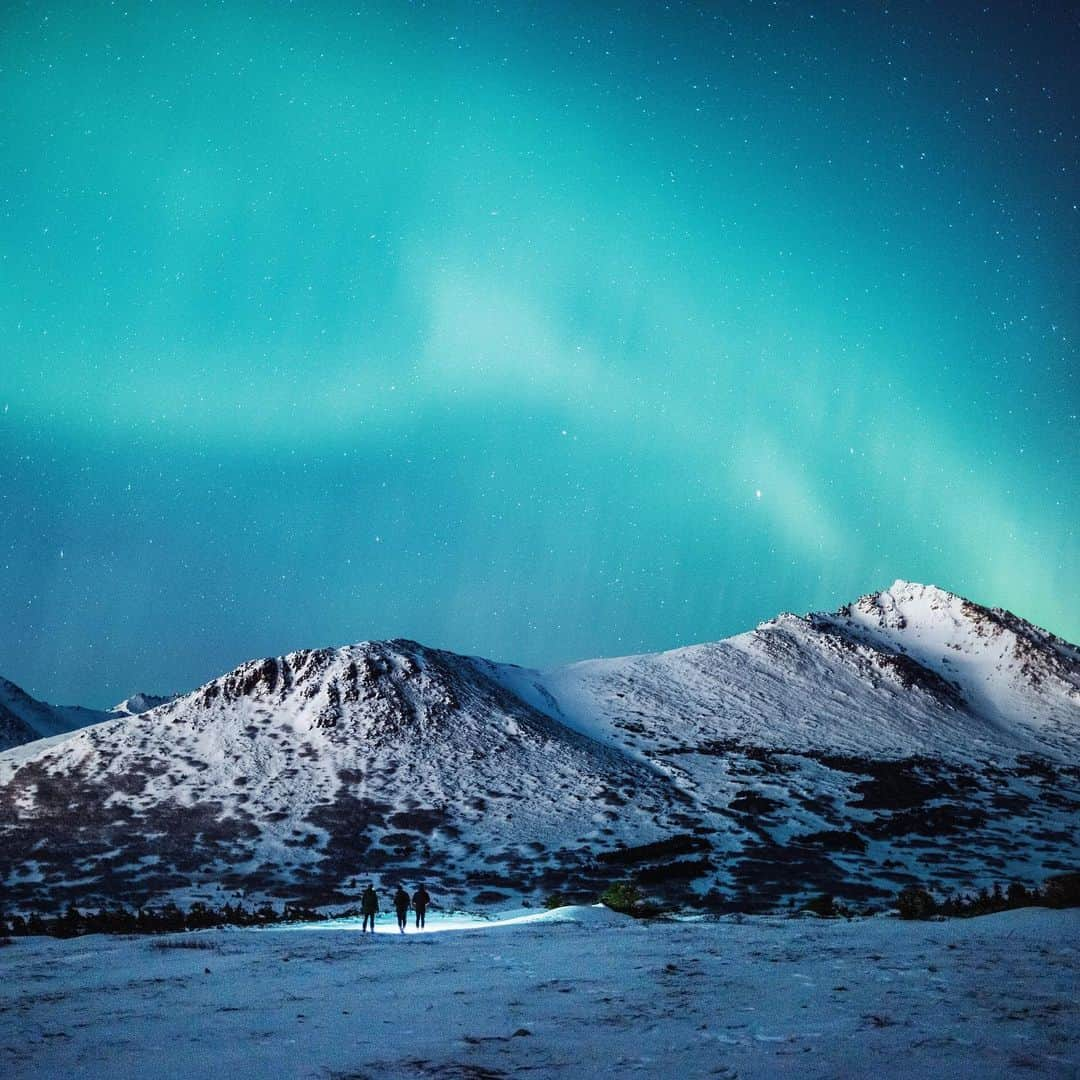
x,y
576,993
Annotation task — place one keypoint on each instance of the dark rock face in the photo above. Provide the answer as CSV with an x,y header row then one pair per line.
x,y
14,731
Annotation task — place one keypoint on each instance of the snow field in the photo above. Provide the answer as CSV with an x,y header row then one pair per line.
x,y
578,993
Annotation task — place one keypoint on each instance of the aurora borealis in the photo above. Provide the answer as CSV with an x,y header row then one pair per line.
x,y
536,331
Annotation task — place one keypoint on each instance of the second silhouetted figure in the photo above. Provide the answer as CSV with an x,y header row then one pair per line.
x,y
420,901
401,906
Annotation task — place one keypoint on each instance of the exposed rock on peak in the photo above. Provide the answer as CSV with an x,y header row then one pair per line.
x,y
373,690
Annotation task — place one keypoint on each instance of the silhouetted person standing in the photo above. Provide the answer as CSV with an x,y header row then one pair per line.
x,y
369,907
401,906
420,901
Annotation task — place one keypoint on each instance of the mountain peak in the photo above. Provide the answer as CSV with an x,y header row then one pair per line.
x,y
373,689
903,602
140,703
902,589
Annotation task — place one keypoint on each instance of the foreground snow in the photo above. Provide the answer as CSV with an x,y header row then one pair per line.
x,y
577,993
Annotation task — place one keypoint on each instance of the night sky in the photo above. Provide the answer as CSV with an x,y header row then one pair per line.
x,y
540,331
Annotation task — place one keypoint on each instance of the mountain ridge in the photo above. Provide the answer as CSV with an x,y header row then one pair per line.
x,y
852,751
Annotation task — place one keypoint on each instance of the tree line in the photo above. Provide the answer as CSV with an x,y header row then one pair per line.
x,y
917,902
913,902
166,918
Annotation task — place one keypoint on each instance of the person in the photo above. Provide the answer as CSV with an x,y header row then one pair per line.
x,y
420,901
369,907
401,906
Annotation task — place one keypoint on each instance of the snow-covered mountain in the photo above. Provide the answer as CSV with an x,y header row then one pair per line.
x,y
137,704
24,719
907,671
911,735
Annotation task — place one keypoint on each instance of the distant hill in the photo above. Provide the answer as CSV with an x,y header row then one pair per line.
x,y
24,719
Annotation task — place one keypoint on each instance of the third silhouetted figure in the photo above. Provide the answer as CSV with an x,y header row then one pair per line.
x,y
369,907
401,906
420,901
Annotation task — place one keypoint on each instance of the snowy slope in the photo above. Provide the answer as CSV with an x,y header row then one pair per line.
x,y
909,736
911,670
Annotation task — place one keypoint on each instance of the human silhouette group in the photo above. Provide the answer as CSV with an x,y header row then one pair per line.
x,y
402,901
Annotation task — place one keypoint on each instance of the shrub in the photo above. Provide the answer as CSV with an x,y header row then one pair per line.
x,y
70,924
185,943
915,902
201,917
1018,896
555,900
266,913
1062,891
623,896
822,905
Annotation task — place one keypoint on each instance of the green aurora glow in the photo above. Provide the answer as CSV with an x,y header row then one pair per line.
x,y
487,327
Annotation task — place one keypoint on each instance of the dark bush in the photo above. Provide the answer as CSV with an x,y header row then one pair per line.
x,y
822,905
1062,891
915,902
681,844
1018,896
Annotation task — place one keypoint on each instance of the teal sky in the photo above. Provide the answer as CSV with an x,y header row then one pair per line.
x,y
542,331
